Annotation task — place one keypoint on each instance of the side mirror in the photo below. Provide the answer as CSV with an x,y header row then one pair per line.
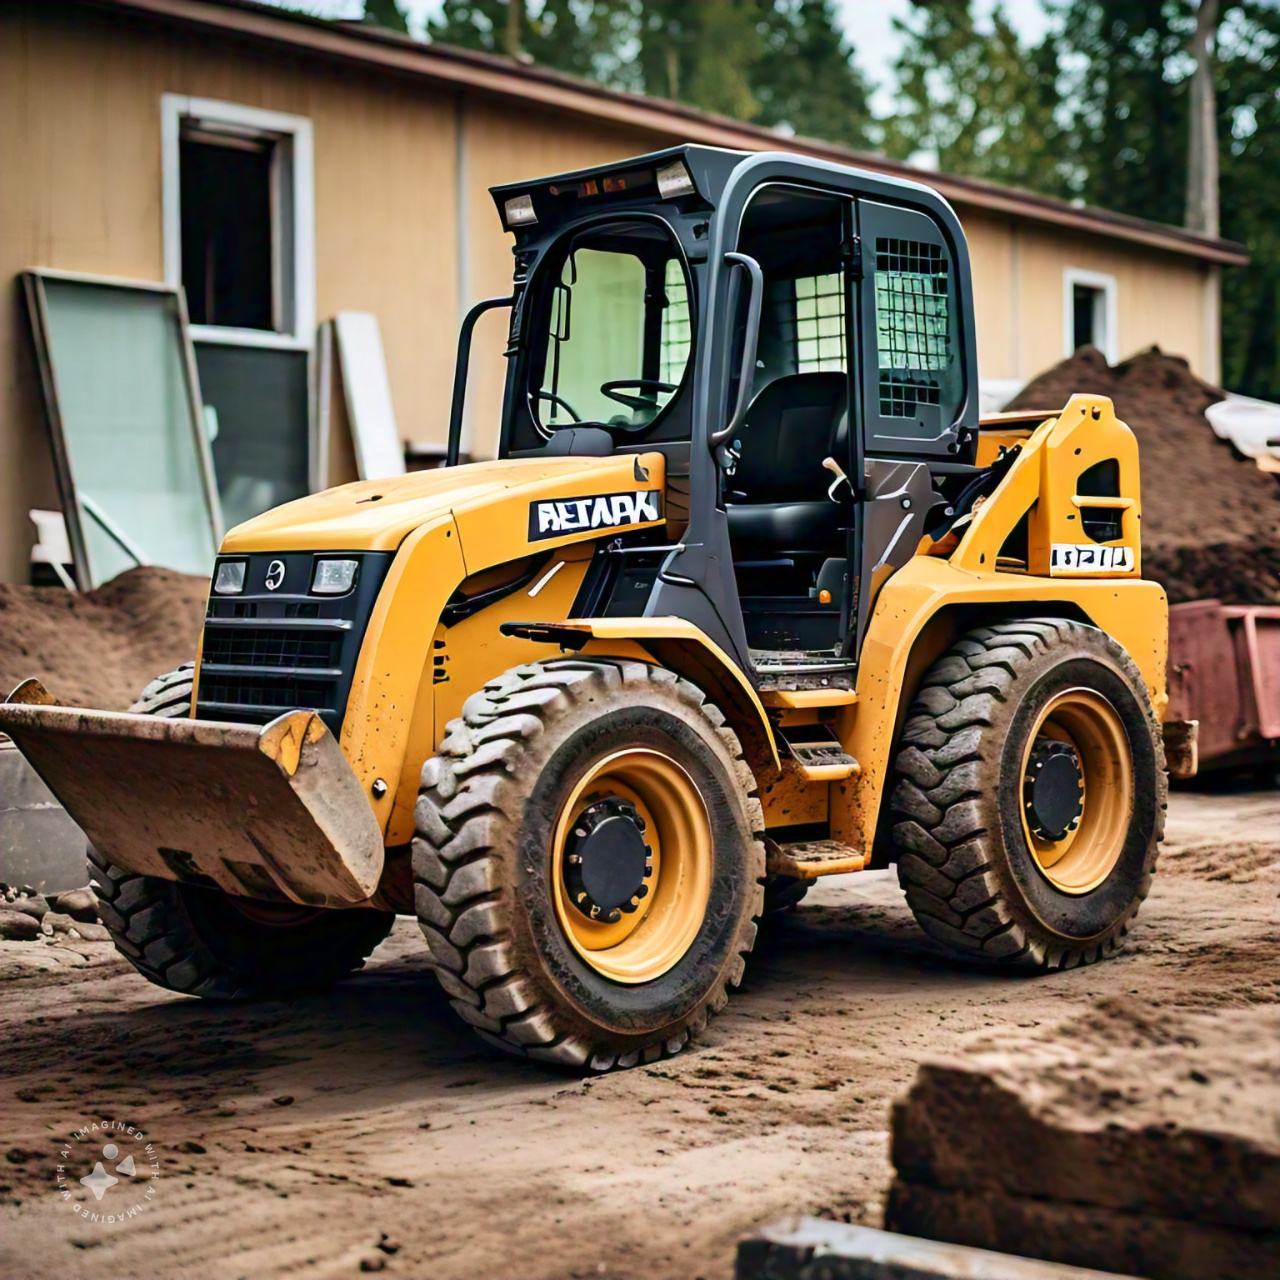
x,y
747,372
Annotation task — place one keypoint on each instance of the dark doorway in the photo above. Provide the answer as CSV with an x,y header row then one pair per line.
x,y
227,240
1086,308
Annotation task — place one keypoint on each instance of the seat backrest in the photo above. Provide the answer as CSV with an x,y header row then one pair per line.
x,y
788,431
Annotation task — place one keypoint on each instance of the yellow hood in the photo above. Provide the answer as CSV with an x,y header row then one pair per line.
x,y
489,501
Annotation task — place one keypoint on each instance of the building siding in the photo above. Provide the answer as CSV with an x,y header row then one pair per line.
x,y
405,227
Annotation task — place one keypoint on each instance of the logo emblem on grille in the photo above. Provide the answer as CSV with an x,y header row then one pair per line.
x,y
275,575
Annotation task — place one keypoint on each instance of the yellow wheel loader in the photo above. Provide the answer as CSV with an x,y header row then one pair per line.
x,y
749,596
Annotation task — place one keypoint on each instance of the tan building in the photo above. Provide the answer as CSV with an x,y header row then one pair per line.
x,y
343,168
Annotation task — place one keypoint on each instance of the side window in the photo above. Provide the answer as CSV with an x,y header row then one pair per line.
x,y
597,328
820,338
677,333
913,336
914,372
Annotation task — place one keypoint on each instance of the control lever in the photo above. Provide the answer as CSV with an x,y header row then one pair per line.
x,y
728,456
832,465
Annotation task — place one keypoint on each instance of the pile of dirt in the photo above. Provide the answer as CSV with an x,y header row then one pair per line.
x,y
99,648
1131,1138
1210,518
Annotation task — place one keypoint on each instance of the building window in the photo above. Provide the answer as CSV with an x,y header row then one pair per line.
x,y
1089,312
239,237
239,222
229,245
820,344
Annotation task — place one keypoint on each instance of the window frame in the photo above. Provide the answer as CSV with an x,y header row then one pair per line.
x,y
244,121
1107,286
533,348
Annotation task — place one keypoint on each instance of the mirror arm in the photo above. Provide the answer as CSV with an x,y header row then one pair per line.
x,y
460,372
746,378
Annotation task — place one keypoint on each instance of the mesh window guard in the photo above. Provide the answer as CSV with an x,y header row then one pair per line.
x,y
676,338
820,344
913,324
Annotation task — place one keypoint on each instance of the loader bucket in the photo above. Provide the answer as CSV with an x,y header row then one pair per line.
x,y
273,812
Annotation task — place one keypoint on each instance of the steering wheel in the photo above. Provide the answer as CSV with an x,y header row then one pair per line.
x,y
610,389
562,402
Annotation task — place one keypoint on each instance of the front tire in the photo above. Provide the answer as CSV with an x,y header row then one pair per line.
x,y
1030,796
205,943
576,777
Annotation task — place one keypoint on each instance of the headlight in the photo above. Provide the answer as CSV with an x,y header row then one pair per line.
x,y
333,577
519,210
674,180
230,577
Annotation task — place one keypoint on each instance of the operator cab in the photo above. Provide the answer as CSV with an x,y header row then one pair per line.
x,y
795,337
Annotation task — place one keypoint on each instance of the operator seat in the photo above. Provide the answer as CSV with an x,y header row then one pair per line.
x,y
779,503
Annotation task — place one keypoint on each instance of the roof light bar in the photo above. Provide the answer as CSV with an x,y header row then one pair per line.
x,y
519,211
674,180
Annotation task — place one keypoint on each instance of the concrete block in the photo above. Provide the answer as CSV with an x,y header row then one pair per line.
x,y
815,1249
40,845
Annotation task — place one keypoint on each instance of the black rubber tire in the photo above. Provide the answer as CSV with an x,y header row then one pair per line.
x,y
198,942
481,861
963,858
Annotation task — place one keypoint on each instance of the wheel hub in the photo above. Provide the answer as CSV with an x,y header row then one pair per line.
x,y
1053,789
607,863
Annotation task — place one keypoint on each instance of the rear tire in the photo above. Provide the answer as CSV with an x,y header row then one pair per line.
x,y
987,874
204,943
517,780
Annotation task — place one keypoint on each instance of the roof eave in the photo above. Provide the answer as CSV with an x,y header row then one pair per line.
x,y
500,77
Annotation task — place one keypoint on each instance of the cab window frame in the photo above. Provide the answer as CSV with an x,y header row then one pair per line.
x,y
524,432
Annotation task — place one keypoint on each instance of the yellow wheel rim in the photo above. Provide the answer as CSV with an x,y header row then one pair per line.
x,y
644,944
1087,853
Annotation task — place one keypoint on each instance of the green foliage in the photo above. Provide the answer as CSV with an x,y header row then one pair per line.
x,y
780,63
1100,110
977,103
1125,113
385,13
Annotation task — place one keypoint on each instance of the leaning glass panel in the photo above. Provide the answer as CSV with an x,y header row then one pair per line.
x,y
131,438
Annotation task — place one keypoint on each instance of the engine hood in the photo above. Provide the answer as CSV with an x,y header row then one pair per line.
x,y
500,508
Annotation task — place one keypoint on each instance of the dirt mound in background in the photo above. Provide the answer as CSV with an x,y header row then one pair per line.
x,y
99,648
1233,572
1195,491
1210,519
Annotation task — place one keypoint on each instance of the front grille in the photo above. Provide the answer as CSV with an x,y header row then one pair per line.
x,y
273,647
268,652
234,694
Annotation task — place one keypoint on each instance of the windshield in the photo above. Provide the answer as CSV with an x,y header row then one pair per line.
x,y
617,331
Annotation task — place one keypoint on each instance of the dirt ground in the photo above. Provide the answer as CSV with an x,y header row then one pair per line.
x,y
366,1130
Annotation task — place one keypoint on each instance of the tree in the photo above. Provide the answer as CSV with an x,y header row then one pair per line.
x,y
780,63
1202,136
385,13
976,103
1128,109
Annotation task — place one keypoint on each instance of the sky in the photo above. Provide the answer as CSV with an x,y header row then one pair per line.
x,y
867,23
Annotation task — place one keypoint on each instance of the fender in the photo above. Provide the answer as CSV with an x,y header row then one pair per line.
x,y
683,648
928,589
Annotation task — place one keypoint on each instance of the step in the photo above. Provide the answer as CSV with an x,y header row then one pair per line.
x,y
809,859
803,699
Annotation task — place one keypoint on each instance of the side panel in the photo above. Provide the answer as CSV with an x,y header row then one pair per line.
x,y
383,704
464,656
1134,613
